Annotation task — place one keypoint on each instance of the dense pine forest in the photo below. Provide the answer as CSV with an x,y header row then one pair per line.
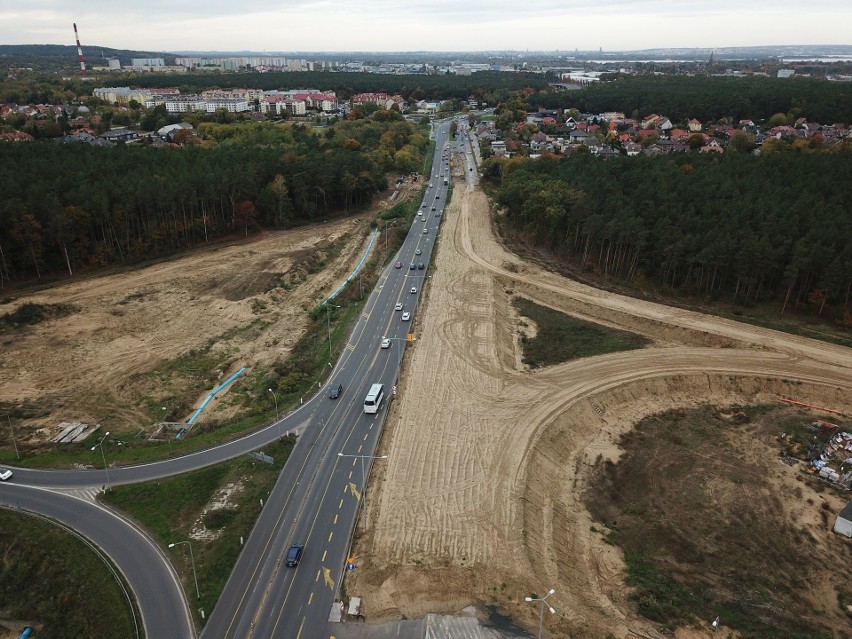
x,y
748,228
346,84
69,207
710,98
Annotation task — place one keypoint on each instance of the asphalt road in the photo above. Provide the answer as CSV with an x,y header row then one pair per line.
x,y
316,499
159,595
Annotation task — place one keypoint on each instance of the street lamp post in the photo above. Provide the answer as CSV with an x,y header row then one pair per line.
x,y
100,445
363,478
541,613
12,430
275,397
192,559
328,323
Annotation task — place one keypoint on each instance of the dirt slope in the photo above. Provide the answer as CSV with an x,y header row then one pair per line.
x,y
91,365
479,501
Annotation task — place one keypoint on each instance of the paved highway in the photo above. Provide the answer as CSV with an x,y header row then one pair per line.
x,y
317,497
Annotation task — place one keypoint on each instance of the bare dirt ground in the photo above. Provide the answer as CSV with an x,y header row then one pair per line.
x,y
91,366
480,498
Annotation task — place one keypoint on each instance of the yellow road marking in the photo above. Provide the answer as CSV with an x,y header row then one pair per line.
x,y
330,535
324,553
328,580
354,490
310,598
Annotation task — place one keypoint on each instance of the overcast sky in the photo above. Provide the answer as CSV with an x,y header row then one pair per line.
x,y
434,25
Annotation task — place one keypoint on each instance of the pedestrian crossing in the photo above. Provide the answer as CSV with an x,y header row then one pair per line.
x,y
88,493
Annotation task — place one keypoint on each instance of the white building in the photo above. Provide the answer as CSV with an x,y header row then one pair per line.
x,y
232,105
843,525
147,62
185,103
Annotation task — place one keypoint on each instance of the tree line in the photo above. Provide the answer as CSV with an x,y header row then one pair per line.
x,y
71,207
709,98
748,228
347,84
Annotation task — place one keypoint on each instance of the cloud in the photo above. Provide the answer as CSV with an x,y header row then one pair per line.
x,y
383,25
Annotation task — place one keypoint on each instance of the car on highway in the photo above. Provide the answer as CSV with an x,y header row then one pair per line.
x,y
433,208
413,289
406,316
398,265
5,474
335,391
421,266
425,231
418,252
386,343
294,555
412,266
398,306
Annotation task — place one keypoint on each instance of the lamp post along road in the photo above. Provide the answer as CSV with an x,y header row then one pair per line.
x,y
12,431
541,613
328,323
100,445
363,479
192,559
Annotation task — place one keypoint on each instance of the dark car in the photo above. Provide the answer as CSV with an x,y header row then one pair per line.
x,y
413,266
294,555
421,266
335,391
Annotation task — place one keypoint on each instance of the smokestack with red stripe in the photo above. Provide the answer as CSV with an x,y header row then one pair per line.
x,y
80,52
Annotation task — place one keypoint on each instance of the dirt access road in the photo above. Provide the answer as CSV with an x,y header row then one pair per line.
x,y
479,501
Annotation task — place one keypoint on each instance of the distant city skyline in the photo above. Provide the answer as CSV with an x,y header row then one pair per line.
x,y
436,25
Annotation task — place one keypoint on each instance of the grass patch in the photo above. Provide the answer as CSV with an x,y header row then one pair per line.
x,y
52,580
30,314
171,508
813,328
705,529
560,338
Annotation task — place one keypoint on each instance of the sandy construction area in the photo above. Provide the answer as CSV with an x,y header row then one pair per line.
x,y
480,498
91,365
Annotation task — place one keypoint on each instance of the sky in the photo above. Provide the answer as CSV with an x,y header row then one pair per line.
x,y
424,25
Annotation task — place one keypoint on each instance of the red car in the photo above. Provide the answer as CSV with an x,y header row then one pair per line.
x,y
398,265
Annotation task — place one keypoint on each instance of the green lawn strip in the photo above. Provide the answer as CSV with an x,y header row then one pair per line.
x,y
54,581
560,337
792,324
170,509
